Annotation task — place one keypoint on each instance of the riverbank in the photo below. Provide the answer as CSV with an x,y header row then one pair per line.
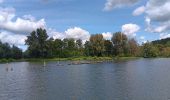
x,y
69,59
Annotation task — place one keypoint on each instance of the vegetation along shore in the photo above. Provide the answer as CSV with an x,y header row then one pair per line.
x,y
41,46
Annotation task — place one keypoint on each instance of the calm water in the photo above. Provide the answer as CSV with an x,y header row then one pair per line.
x,y
142,79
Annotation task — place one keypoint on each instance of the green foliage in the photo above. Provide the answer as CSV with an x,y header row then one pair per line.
x,y
37,43
120,42
97,44
149,50
6,51
108,48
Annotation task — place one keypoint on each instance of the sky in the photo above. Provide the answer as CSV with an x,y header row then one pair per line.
x,y
144,20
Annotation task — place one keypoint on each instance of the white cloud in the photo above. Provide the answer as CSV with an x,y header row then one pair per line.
x,y
75,32
29,17
15,31
110,4
20,25
157,15
138,11
130,29
164,35
11,38
107,35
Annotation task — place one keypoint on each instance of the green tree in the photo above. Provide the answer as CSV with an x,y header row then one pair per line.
x,y
108,48
37,43
16,52
149,50
97,43
120,42
79,43
133,47
58,47
88,49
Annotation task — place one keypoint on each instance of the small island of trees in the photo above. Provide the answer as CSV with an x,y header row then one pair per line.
x,y
40,45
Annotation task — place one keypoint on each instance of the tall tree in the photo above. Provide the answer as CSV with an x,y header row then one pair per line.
x,y
16,52
97,43
133,47
88,49
58,47
37,43
120,44
108,48
79,43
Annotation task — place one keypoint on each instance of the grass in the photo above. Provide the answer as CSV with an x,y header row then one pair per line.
x,y
69,59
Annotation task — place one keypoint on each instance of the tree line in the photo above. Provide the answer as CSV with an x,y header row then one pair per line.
x,y
7,51
40,45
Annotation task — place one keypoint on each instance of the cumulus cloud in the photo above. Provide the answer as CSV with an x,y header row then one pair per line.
x,y
15,31
164,35
11,38
111,4
75,32
29,17
159,12
23,25
107,35
130,29
157,15
138,11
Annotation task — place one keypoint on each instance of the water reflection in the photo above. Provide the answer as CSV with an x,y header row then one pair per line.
x,y
143,79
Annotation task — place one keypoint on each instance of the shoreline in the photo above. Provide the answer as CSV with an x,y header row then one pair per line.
x,y
69,59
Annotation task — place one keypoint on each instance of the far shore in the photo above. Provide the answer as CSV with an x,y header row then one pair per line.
x,y
69,59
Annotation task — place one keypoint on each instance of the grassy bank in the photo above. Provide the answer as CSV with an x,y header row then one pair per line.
x,y
69,59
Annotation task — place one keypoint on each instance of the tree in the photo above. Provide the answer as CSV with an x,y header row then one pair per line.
x,y
69,47
88,49
133,47
5,50
58,47
120,44
37,43
108,47
50,45
16,52
97,44
149,50
79,43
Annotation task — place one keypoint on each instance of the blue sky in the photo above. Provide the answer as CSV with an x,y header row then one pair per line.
x,y
88,15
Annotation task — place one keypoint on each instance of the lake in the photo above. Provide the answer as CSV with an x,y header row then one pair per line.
x,y
141,79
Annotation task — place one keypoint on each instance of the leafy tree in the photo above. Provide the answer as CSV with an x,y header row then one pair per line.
x,y
37,43
108,47
149,50
79,43
133,47
50,45
58,47
88,49
120,44
16,52
97,43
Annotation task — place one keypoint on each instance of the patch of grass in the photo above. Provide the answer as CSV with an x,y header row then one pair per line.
x,y
70,59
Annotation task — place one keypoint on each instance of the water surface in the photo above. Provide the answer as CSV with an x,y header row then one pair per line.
x,y
142,79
